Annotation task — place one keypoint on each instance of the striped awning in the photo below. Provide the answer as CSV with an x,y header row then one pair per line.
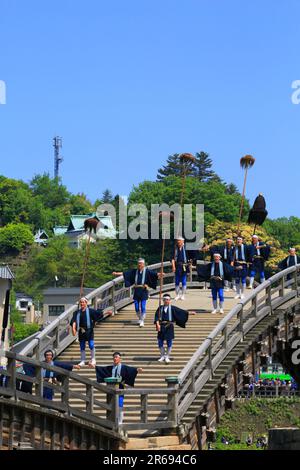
x,y
5,273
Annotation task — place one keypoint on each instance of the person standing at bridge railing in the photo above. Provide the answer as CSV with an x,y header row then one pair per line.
x,y
291,260
180,265
216,273
82,323
258,253
165,317
241,256
118,369
141,278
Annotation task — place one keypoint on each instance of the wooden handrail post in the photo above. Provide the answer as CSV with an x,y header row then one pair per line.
x,y
173,382
144,408
112,399
11,368
281,290
90,396
57,334
225,336
39,386
254,306
65,394
269,299
241,326
209,362
296,280
191,388
113,299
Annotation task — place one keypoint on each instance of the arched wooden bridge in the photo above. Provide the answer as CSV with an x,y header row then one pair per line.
x,y
211,360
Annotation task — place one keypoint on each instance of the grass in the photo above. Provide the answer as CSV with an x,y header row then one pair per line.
x,y
255,417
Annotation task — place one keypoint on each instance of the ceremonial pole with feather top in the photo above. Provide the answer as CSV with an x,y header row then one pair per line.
x,y
186,159
246,162
90,225
162,214
258,213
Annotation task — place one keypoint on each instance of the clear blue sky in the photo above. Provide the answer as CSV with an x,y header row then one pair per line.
x,y
126,83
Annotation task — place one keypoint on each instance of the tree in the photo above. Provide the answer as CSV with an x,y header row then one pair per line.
x,y
107,196
15,201
202,168
52,193
175,167
14,238
79,204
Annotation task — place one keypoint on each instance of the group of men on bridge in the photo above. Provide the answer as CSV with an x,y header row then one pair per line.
x,y
229,263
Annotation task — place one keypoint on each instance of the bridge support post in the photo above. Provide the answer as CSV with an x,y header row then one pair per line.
x,y
173,400
112,400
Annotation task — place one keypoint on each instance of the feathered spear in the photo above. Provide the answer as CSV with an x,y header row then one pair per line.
x,y
186,160
91,224
258,213
246,162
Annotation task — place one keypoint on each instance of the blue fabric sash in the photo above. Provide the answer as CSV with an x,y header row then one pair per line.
x,y
88,319
184,254
212,271
143,277
169,312
242,252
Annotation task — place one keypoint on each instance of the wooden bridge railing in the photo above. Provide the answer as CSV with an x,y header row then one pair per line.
x,y
101,403
97,404
111,296
231,331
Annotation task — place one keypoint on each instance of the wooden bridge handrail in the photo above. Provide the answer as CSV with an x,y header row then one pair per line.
x,y
58,326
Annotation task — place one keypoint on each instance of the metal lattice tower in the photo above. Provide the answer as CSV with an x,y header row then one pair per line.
x,y
57,144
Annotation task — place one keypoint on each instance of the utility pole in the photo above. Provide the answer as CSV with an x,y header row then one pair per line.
x,y
57,144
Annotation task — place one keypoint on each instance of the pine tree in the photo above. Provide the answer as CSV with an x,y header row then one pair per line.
x,y
202,168
175,167
107,196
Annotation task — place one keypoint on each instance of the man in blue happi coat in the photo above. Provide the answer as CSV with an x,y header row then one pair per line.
x,y
142,279
118,370
49,376
216,272
227,255
258,253
82,323
165,317
180,265
291,260
240,266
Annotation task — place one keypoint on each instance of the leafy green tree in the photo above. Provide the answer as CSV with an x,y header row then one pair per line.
x,y
52,193
14,238
15,201
285,229
79,204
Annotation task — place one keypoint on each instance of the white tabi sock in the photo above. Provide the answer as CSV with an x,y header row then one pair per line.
x,y
82,355
238,288
169,351
177,289
183,290
221,304
162,352
262,280
243,288
251,281
121,416
93,353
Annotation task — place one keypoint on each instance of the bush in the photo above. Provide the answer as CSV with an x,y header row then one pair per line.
x,y
14,238
22,331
